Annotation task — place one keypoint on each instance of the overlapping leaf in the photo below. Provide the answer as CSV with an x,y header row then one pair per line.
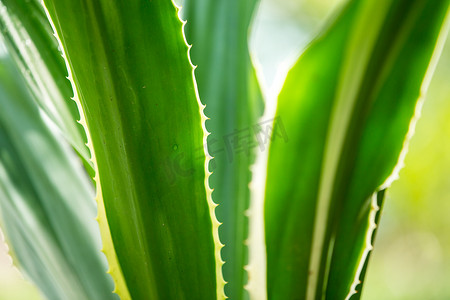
x,y
227,85
46,206
346,106
29,39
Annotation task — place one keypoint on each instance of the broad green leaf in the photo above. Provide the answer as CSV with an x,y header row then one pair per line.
x,y
29,39
46,207
132,76
218,32
346,107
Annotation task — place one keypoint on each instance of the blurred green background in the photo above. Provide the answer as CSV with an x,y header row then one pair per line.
x,y
411,259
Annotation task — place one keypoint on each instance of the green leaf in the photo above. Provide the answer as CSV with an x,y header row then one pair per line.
x,y
218,31
47,210
28,37
346,107
368,229
133,78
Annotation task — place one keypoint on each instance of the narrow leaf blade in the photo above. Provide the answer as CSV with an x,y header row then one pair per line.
x,y
218,32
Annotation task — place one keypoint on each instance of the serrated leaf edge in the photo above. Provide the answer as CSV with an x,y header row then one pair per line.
x,y
400,163
9,253
368,244
114,270
220,282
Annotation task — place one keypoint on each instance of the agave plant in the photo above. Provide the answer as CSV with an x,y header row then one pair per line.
x,y
169,148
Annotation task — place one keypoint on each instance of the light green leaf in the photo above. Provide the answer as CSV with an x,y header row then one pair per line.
x,y
347,107
218,31
46,207
130,68
28,37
